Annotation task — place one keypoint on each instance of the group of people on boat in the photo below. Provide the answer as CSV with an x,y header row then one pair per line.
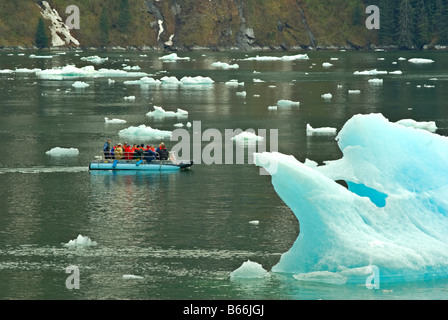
x,y
135,152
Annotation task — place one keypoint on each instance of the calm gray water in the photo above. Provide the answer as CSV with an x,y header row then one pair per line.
x,y
183,233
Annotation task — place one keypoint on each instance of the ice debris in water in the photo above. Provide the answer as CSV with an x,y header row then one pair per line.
x,y
80,241
132,276
283,58
225,65
249,270
129,98
420,61
425,125
287,103
159,112
396,197
373,72
247,137
70,72
144,132
62,152
173,57
94,59
327,96
80,84
319,131
114,120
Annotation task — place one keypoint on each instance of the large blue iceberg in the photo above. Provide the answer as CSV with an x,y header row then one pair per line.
x,y
393,215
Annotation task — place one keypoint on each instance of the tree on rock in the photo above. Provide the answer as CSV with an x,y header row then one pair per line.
x,y
41,35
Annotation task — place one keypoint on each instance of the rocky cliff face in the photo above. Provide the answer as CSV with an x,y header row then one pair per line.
x,y
195,24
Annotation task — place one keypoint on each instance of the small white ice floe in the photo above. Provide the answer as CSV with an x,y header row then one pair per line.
x,y
114,121
376,81
327,65
247,137
225,65
241,94
354,91
287,103
80,241
129,98
132,277
254,222
424,125
80,84
420,61
319,131
327,96
249,270
62,152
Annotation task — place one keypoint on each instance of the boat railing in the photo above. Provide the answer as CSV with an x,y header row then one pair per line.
x,y
101,157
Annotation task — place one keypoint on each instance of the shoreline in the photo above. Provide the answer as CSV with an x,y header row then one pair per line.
x,y
215,49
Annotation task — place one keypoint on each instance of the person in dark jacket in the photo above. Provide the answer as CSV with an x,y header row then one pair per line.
x,y
149,154
138,152
106,149
162,151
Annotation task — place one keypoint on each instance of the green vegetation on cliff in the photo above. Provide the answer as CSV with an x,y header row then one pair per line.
x,y
244,24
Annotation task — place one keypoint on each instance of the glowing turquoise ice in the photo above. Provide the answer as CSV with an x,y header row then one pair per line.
x,y
394,216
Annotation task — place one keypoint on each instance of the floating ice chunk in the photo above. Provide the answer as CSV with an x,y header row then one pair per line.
x,y
143,132
80,84
70,72
241,94
373,72
402,59
63,152
249,270
110,81
376,81
114,121
272,108
425,125
129,98
396,72
247,137
225,65
420,61
33,56
410,231
327,65
234,83
179,125
319,131
26,70
131,68
284,58
287,103
170,80
327,96
143,81
173,57
94,59
132,277
354,91
6,71
254,222
198,80
159,112
80,241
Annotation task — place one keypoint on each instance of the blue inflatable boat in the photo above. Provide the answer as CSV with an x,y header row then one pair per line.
x,y
141,165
